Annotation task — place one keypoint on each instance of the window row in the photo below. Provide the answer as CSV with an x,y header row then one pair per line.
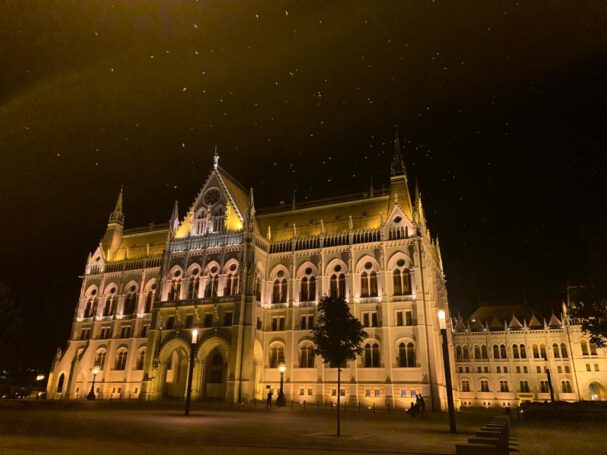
x,y
371,357
120,359
519,351
543,386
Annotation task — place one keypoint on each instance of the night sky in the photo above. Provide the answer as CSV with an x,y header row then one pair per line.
x,y
501,106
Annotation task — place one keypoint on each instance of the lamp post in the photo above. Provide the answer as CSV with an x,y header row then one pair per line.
x,y
443,330
190,371
550,388
91,394
281,401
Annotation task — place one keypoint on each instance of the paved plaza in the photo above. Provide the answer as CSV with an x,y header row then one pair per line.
x,y
142,428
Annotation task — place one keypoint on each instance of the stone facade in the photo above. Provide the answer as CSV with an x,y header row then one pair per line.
x,y
249,280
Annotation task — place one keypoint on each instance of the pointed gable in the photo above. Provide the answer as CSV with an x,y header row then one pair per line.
x,y
554,323
515,324
534,323
496,325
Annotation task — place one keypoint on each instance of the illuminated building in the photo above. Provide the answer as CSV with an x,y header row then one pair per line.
x,y
250,280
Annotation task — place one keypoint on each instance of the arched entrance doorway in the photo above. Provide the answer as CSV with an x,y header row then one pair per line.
x,y
215,376
176,373
596,392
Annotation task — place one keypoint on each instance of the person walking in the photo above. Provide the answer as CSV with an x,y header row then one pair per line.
x,y
269,399
422,406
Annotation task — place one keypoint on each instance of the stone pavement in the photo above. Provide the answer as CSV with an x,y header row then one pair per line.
x,y
142,428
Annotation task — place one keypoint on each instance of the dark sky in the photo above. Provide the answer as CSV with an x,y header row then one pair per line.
x,y
502,106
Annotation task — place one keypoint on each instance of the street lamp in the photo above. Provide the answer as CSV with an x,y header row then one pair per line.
x,y
190,371
281,401
91,394
443,330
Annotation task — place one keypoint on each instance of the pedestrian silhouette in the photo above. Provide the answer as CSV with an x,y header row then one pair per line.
x,y
269,399
422,405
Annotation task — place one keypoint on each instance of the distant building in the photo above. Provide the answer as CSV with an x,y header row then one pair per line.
x,y
250,282
502,354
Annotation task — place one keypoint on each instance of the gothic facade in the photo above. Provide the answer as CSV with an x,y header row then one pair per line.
x,y
249,281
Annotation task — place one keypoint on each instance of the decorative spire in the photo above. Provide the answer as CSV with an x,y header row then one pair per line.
x,y
398,165
174,220
117,216
215,159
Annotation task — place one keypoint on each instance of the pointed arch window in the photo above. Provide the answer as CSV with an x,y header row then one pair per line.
x,y
212,284
232,281
401,279
504,386
465,385
337,288
515,353
121,360
100,359
536,351
307,291
523,351
477,352
371,355
306,356
584,346
564,352
555,351
566,387
175,290
194,285
406,355
149,298
279,294
496,351
368,281
458,352
140,359
484,351
219,219
503,351
543,351
257,288
89,308
130,301
110,303
277,355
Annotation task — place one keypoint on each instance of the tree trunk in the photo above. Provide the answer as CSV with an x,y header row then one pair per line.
x,y
338,401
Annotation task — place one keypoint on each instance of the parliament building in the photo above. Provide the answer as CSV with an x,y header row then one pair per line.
x,y
249,281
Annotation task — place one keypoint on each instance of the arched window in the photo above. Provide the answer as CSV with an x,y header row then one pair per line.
x,y
89,308
140,359
307,292
121,360
503,354
279,294
130,301
218,219
515,353
592,348
212,283
306,356
477,352
564,352
257,288
523,351
584,346
232,280
466,352
368,281
484,385
458,352
371,355
566,387
401,279
484,352
536,352
555,351
337,288
504,386
60,383
543,351
201,223
406,355
496,351
194,285
149,298
110,302
465,385
175,289
524,386
100,359
544,388
277,355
